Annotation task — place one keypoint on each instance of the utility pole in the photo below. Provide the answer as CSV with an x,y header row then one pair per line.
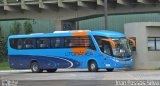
x,y
106,14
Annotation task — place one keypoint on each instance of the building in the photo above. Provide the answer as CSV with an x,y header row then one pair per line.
x,y
147,36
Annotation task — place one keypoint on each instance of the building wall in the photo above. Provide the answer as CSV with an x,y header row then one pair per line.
x,y
116,22
154,56
153,31
38,26
144,59
137,30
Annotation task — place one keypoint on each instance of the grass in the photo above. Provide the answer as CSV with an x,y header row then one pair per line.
x,y
4,66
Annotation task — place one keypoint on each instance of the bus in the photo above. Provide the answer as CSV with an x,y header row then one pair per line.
x,y
94,50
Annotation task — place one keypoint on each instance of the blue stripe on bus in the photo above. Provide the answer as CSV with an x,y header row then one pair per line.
x,y
45,62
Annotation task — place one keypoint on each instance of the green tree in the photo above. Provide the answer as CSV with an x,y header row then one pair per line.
x,y
15,28
27,27
0,31
3,49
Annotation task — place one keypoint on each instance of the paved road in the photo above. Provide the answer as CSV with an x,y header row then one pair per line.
x,y
80,76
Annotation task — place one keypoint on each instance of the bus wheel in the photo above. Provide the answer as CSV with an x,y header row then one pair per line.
x,y
92,66
110,69
52,70
35,67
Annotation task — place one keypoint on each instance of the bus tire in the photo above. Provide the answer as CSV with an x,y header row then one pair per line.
x,y
92,66
110,69
52,70
35,67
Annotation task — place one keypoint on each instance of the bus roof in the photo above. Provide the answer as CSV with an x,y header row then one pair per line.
x,y
108,33
105,33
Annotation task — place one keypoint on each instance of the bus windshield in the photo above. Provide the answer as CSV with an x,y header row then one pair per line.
x,y
118,47
122,48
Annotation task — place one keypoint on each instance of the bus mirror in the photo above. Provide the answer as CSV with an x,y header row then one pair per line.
x,y
110,41
132,41
133,48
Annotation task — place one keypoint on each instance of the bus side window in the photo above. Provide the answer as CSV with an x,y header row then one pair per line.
x,y
57,42
13,43
78,41
43,43
16,43
28,43
61,42
99,42
67,42
91,45
106,48
53,42
20,44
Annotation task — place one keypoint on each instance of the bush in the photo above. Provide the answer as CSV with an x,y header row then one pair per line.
x,y
27,27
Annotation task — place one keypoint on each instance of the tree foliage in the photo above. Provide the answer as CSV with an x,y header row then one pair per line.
x,y
3,48
0,31
27,27
15,28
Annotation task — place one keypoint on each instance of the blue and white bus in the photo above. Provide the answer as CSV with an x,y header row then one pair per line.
x,y
70,49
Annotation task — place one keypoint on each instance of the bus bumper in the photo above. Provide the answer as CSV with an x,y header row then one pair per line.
x,y
120,63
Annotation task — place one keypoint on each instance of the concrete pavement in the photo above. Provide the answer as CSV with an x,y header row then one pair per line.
x,y
82,74
79,77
